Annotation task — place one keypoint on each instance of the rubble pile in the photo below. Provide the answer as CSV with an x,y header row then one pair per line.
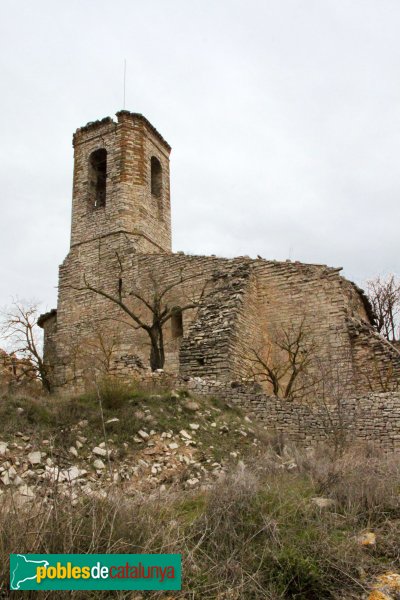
x,y
154,458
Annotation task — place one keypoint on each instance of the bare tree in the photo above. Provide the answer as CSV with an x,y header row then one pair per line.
x,y
23,337
156,308
384,295
101,345
282,360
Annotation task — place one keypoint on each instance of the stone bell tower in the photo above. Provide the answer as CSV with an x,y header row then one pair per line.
x,y
121,183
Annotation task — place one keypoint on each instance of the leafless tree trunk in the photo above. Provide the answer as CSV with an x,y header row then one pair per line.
x,y
156,304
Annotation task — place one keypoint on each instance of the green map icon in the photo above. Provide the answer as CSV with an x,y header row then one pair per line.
x,y
23,569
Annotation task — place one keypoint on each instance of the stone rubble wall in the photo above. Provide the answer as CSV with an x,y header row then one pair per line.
x,y
376,361
373,418
208,348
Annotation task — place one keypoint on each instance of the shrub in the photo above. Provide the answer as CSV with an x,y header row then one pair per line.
x,y
114,393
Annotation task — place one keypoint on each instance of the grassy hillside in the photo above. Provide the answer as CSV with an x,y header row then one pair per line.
x,y
252,518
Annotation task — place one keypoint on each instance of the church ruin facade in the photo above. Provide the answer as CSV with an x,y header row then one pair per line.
x,y
223,312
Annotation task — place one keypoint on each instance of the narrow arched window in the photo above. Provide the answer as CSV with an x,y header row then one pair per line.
x,y
98,177
156,177
176,323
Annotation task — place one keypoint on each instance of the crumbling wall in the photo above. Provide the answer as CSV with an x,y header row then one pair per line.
x,y
208,347
376,361
243,303
287,296
48,322
373,417
81,311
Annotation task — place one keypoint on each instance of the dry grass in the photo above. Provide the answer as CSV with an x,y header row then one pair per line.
x,y
255,534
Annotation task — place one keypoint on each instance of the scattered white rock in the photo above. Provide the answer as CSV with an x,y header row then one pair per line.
x,y
98,464
73,451
173,446
291,466
143,434
192,406
17,481
192,482
185,434
5,478
35,458
113,420
194,426
3,448
323,502
74,473
99,451
27,491
12,472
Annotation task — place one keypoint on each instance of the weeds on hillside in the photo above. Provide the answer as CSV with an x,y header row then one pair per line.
x,y
135,407
255,534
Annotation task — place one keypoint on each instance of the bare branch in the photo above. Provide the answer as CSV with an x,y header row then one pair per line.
x,y
384,296
20,331
156,303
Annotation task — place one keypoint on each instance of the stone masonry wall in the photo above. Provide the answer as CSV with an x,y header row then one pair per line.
x,y
130,206
243,304
373,417
376,361
82,314
283,297
208,346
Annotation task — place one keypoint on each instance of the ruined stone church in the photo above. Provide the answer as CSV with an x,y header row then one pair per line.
x,y
224,310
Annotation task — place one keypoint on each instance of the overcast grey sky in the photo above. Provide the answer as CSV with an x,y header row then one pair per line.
x,y
283,117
